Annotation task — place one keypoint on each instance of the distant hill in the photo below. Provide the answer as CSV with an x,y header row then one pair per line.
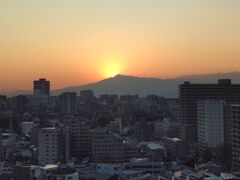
x,y
122,84
15,92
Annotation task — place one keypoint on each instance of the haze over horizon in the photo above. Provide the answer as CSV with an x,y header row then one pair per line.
x,y
127,84
78,42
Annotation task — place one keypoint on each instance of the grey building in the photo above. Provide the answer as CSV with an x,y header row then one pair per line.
x,y
210,126
190,94
51,145
235,112
176,147
68,103
81,140
107,147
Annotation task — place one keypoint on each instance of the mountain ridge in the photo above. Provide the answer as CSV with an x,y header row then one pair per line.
x,y
127,84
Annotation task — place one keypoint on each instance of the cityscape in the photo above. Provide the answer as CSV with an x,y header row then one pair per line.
x,y
81,136
119,90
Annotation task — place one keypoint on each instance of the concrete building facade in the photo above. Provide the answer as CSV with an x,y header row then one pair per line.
x,y
190,94
235,109
210,115
51,145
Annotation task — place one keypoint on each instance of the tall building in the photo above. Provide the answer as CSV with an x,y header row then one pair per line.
x,y
18,103
41,87
87,96
51,145
107,147
235,113
210,115
3,102
116,125
41,93
0,144
80,141
190,94
68,103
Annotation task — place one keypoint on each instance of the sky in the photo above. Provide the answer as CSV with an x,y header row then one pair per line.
x,y
73,42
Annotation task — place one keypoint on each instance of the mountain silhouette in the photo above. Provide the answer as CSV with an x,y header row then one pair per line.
x,y
122,84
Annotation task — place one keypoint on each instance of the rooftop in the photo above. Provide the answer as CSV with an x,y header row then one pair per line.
x,y
27,122
174,139
50,166
49,128
152,145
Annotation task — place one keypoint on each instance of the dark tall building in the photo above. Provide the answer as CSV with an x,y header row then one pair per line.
x,y
41,87
18,103
0,144
190,94
235,117
68,103
3,102
81,140
87,96
107,147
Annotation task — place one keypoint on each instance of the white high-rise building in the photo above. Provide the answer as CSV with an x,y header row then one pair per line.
x,y
51,145
210,124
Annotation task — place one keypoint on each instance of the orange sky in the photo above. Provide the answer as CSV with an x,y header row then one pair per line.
x,y
72,42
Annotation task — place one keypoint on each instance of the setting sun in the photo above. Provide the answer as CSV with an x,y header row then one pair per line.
x,y
111,70
93,40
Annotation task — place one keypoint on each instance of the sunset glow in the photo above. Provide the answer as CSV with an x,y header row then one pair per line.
x,y
111,70
77,42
